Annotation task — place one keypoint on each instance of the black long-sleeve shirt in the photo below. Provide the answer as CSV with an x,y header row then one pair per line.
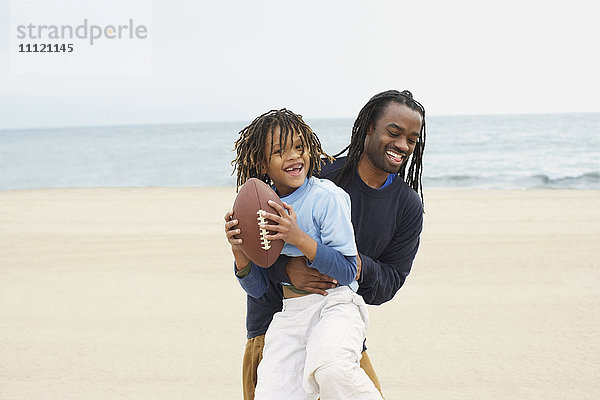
x,y
387,225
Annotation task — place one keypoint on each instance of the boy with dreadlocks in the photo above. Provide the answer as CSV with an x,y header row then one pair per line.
x,y
313,346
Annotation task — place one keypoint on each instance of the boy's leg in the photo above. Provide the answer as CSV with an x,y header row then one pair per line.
x,y
252,357
334,350
280,372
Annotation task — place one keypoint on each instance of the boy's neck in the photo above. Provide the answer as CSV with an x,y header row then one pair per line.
x,y
287,194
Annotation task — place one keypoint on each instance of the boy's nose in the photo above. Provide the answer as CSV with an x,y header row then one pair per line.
x,y
293,154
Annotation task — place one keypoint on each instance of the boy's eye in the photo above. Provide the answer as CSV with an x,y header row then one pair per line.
x,y
299,147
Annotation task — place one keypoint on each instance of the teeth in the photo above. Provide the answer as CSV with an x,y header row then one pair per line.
x,y
292,168
395,155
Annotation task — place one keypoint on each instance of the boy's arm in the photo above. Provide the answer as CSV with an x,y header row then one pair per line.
x,y
334,264
336,234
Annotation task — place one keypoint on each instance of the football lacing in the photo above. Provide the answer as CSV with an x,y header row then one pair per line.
x,y
266,244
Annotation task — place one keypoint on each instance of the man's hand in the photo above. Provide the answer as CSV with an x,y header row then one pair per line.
x,y
306,278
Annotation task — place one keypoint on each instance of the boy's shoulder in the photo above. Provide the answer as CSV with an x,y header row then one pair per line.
x,y
325,186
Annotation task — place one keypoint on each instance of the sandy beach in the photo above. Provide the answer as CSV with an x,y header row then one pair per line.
x,y
129,294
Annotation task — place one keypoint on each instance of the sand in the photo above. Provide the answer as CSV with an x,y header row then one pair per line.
x,y
129,294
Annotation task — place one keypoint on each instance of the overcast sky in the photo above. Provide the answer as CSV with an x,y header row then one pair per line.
x,y
233,60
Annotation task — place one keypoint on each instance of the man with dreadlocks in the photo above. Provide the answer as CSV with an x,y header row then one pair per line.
x,y
387,215
313,346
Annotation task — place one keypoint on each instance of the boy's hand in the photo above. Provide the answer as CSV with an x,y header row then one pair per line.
x,y
231,230
288,229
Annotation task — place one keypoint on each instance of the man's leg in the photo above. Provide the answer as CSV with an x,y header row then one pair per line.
x,y
365,363
252,357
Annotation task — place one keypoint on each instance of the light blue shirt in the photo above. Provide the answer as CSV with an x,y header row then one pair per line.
x,y
323,213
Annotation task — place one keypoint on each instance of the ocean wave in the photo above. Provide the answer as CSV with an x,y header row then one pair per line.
x,y
587,180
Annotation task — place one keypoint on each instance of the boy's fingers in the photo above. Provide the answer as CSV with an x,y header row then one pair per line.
x,y
274,237
276,206
272,217
228,215
290,209
275,228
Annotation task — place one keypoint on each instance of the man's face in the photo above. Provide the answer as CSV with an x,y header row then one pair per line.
x,y
288,166
393,138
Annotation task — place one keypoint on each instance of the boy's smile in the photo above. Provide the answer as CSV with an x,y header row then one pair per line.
x,y
287,167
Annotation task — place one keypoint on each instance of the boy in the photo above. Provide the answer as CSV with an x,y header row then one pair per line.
x,y
312,347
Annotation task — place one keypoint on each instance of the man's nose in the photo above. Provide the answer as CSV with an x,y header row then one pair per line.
x,y
401,143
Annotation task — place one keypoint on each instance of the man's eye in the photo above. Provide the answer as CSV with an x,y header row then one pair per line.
x,y
299,147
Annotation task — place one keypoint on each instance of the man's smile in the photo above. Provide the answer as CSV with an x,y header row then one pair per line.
x,y
395,157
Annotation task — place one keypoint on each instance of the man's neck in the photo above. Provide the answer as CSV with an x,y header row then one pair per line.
x,y
371,175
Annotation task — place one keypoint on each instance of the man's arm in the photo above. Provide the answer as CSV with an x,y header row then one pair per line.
x,y
380,279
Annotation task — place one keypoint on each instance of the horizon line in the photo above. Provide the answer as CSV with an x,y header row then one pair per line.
x,y
307,118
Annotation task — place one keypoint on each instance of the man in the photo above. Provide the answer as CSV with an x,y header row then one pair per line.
x,y
387,215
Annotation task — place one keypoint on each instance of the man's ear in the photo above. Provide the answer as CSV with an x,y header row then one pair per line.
x,y
370,130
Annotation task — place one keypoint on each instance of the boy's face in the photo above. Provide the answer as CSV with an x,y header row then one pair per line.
x,y
288,166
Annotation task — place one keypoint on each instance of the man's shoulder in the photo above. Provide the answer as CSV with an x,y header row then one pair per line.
x,y
329,170
409,199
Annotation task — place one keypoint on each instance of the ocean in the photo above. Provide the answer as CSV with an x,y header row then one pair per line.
x,y
522,151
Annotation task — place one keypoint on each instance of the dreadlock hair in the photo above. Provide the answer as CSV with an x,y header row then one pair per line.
x,y
367,118
251,145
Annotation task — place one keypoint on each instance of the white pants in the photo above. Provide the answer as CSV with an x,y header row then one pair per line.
x,y
313,349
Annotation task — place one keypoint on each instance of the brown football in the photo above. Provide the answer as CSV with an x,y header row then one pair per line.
x,y
252,197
